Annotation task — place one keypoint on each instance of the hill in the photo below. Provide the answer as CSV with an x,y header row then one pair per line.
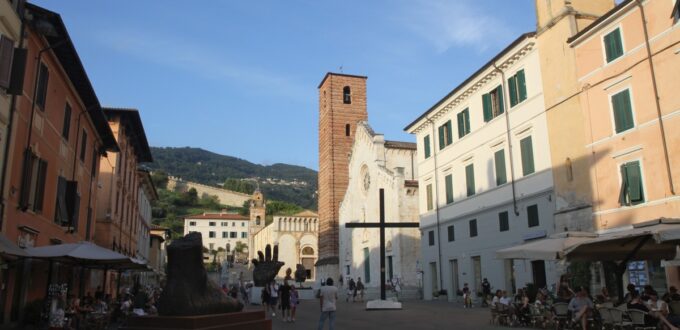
x,y
283,182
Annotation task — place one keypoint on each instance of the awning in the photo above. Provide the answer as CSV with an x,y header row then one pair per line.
x,y
85,254
655,240
8,248
550,248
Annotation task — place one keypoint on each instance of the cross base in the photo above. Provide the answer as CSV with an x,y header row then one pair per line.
x,y
378,305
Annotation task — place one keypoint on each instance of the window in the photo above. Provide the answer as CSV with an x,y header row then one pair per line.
x,y
428,192
233,234
244,234
211,224
448,180
426,143
347,129
33,182
211,234
257,220
346,95
41,92
518,88
211,247
463,123
470,179
676,11
225,234
445,136
192,223
233,224
6,57
95,156
623,111
532,215
527,150
66,128
631,184
503,221
430,237
473,228
224,224
613,46
499,162
83,144
493,103
451,233
243,224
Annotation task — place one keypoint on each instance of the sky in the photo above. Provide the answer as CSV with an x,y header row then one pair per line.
x,y
240,78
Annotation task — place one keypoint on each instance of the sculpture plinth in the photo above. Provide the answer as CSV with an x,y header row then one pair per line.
x,y
230,321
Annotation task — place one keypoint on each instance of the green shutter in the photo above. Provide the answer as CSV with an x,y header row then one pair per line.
x,y
527,156
426,142
623,193
449,188
461,124
499,158
512,84
501,106
623,112
634,182
522,86
441,137
486,101
613,45
449,133
466,114
470,179
428,192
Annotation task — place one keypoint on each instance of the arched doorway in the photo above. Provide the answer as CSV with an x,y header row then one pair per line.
x,y
308,260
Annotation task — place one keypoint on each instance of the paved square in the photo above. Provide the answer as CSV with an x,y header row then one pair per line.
x,y
415,315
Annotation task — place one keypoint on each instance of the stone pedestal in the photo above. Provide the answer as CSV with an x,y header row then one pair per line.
x,y
230,321
383,305
255,297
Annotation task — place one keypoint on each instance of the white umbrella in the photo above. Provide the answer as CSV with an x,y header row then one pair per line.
x,y
85,254
550,248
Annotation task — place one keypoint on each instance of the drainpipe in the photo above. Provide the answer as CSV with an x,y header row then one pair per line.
x,y
662,130
436,203
509,137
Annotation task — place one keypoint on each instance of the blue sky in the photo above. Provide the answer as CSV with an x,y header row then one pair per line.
x,y
240,77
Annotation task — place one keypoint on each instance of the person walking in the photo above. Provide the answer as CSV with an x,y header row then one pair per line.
x,y
359,290
486,292
467,299
328,296
273,296
351,290
284,294
294,301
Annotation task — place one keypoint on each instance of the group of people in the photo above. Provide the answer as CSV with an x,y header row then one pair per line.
x,y
282,297
354,289
238,291
582,308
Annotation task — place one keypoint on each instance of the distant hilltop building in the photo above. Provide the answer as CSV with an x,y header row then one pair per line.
x,y
225,197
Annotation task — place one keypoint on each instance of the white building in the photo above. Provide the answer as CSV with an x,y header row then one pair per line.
x,y
379,164
487,183
297,238
219,229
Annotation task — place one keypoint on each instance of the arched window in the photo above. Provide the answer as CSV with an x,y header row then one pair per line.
x,y
308,251
347,127
257,220
346,95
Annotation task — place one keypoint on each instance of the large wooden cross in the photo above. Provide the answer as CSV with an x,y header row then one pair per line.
x,y
382,225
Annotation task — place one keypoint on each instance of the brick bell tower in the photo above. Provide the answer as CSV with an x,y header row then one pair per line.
x,y
342,104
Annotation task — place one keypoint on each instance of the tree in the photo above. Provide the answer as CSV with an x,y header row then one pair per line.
x,y
240,246
243,186
159,179
282,208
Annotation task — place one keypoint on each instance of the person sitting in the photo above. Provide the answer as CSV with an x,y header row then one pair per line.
x,y
496,299
523,309
651,318
673,294
581,307
99,305
505,300
564,295
631,292
659,309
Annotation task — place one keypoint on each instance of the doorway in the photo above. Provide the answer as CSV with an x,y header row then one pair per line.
x,y
538,271
455,286
435,281
477,272
510,276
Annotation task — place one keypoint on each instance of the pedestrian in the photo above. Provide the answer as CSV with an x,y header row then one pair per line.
x,y
265,299
328,296
359,290
467,299
294,301
284,294
340,281
351,289
486,291
273,296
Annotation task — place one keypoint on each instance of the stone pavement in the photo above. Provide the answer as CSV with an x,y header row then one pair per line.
x,y
416,314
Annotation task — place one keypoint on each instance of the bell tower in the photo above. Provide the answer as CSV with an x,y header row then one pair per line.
x,y
342,104
258,211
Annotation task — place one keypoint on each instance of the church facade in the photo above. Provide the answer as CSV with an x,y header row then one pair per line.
x,y
296,237
375,164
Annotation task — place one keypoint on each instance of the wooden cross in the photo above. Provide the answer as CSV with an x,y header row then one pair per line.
x,y
382,225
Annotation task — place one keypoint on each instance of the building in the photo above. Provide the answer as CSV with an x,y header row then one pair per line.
x,y
59,131
145,197
159,237
626,68
342,104
220,231
390,165
296,237
118,220
488,184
